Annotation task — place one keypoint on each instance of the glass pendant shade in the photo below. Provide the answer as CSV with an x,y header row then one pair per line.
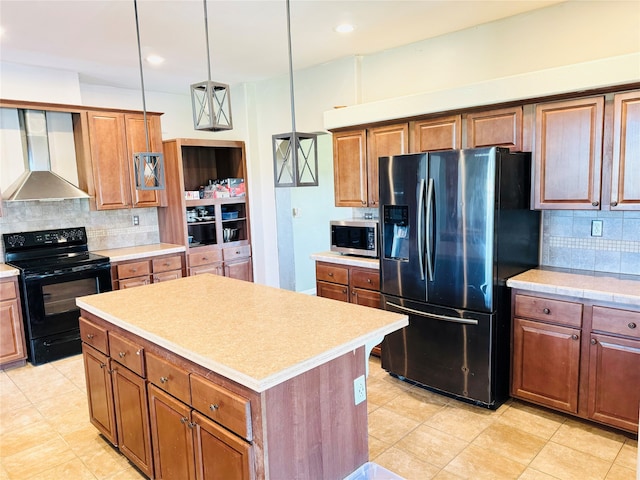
x,y
295,157
211,103
149,171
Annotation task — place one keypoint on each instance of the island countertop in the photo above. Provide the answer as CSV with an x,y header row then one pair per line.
x,y
255,335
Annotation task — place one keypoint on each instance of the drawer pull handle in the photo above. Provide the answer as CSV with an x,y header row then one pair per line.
x,y
593,341
213,407
164,379
122,354
102,365
632,325
134,270
90,336
574,336
546,311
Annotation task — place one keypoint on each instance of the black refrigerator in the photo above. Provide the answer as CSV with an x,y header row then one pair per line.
x,y
455,225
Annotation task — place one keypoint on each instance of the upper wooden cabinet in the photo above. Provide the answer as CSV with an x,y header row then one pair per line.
x,y
568,154
625,172
355,157
113,139
502,128
443,133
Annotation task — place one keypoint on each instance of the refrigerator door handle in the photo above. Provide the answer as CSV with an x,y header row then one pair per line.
x,y
420,218
446,318
428,221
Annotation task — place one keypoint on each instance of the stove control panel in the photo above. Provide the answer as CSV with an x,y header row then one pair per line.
x,y
42,238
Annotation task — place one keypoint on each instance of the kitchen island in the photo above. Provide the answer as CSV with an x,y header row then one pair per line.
x,y
231,378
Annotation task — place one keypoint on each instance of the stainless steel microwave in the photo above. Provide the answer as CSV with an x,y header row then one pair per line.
x,y
355,237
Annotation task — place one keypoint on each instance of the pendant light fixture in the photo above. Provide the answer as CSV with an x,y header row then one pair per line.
x,y
211,101
148,166
295,154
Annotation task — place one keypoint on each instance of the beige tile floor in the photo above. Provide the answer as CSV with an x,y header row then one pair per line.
x,y
45,434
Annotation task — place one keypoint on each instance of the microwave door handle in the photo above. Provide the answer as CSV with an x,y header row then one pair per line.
x,y
420,219
429,226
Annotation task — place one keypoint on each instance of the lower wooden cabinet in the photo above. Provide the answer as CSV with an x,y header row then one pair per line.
x,y
97,372
232,262
13,350
579,357
146,270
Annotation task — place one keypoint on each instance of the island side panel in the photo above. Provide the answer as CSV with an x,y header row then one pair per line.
x,y
313,428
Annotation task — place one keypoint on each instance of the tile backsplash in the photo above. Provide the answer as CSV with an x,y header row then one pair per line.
x,y
105,229
567,241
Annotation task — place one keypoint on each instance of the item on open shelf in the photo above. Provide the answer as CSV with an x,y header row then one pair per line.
x,y
230,234
229,215
192,195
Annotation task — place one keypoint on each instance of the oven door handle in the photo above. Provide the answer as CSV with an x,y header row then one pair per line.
x,y
446,318
51,343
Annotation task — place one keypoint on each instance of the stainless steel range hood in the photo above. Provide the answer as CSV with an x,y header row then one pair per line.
x,y
38,182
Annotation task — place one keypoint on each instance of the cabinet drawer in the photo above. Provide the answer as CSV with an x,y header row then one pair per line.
x,y
332,273
169,377
205,258
93,335
365,278
134,282
7,290
613,320
166,264
127,353
134,269
225,407
547,310
232,253
164,276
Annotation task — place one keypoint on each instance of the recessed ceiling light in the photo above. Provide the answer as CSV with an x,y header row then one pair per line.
x,y
154,59
344,28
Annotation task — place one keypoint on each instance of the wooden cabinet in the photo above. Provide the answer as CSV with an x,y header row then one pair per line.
x,y
146,270
97,370
349,284
13,350
212,228
442,133
113,139
625,172
578,357
502,127
355,161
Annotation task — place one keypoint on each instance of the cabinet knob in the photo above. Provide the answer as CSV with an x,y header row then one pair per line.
x,y
213,407
344,291
593,341
330,274
631,325
237,252
595,204
164,379
90,336
166,264
102,365
364,203
614,204
546,311
184,420
368,280
353,292
134,270
191,424
122,354
574,336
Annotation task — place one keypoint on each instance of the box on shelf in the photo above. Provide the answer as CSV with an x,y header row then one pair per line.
x,y
229,215
191,195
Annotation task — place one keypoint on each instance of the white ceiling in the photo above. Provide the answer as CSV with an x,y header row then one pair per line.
x,y
97,38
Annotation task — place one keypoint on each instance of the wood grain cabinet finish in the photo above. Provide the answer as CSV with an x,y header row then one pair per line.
x,y
502,127
13,350
625,172
383,142
350,168
97,372
113,139
135,273
442,133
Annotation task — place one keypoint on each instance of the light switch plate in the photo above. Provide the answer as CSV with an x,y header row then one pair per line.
x,y
596,228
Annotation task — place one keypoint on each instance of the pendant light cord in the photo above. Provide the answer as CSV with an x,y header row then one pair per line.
x,y
293,112
206,36
144,104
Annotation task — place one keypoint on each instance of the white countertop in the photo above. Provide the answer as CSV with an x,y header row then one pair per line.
x,y
255,335
602,286
140,251
351,260
8,271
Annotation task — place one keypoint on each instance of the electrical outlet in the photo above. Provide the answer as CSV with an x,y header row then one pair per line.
x,y
136,220
359,390
596,228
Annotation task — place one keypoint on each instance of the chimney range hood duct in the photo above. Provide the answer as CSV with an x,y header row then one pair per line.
x,y
38,182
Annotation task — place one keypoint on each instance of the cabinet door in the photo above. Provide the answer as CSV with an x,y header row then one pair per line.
x,y
614,381
545,364
502,128
108,157
332,290
436,134
368,298
383,142
172,433
136,142
240,269
220,455
625,176
568,154
99,392
350,168
132,417
12,346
